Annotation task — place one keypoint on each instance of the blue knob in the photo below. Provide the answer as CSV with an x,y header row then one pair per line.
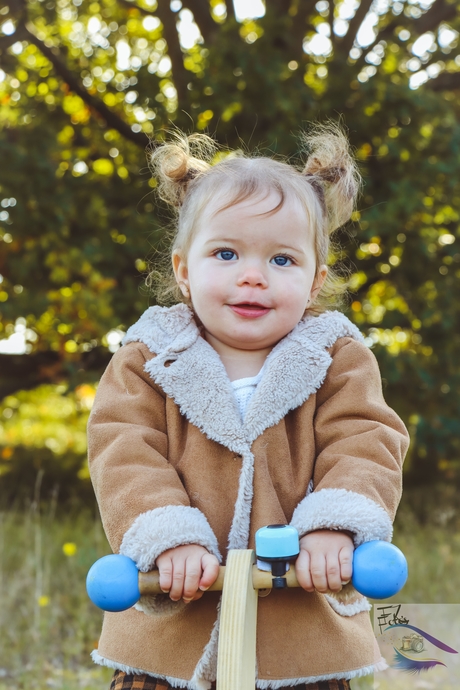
x,y
277,541
112,583
379,569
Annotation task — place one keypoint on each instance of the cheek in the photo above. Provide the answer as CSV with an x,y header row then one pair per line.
x,y
208,276
208,289
296,287
294,297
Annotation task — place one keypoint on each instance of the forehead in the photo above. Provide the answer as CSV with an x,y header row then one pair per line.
x,y
268,207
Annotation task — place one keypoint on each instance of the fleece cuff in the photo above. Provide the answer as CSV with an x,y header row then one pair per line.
x,y
165,528
340,509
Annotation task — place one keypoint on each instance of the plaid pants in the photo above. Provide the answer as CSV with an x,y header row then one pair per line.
x,y
129,681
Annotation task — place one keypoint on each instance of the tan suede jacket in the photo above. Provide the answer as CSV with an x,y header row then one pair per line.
x,y
173,463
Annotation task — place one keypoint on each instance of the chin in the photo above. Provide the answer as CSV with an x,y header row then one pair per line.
x,y
254,343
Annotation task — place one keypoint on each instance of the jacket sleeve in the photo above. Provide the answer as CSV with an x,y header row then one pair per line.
x,y
360,446
144,506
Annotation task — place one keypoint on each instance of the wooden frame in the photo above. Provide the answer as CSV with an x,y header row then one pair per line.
x,y
236,664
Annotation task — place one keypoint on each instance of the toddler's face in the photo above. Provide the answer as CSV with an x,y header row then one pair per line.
x,y
250,275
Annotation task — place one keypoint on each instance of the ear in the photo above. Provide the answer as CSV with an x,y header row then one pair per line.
x,y
318,282
181,273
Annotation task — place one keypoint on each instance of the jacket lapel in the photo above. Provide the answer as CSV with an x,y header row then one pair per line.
x,y
191,372
198,382
295,369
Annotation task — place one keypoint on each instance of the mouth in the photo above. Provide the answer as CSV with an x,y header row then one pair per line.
x,y
249,309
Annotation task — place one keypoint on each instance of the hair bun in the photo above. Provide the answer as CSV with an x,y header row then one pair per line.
x,y
175,164
331,165
190,175
331,174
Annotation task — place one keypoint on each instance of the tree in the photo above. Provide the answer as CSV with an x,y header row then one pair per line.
x,y
86,84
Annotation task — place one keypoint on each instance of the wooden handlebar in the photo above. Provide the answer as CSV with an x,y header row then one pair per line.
x,y
149,583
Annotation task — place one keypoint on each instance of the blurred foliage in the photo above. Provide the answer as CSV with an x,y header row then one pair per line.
x,y
85,84
45,418
43,433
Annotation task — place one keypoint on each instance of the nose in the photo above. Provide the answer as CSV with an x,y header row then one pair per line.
x,y
252,275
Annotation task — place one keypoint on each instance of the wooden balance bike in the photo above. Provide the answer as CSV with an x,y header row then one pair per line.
x,y
114,584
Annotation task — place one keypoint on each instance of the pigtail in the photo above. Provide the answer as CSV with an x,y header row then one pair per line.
x,y
177,163
332,172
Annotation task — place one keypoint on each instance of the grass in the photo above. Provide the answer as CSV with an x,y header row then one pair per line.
x,y
48,627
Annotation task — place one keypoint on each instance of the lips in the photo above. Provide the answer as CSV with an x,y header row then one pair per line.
x,y
251,310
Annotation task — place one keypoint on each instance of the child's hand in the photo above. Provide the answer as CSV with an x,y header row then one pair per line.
x,y
187,571
325,560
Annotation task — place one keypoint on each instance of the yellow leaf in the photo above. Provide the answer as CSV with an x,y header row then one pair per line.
x,y
71,346
110,99
103,166
72,104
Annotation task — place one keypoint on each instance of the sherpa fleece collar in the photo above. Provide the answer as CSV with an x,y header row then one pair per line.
x,y
191,372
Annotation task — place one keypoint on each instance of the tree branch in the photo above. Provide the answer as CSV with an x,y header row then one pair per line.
x,y
25,372
167,18
300,27
26,32
346,43
230,9
439,12
330,19
386,33
447,81
206,24
280,7
19,35
133,6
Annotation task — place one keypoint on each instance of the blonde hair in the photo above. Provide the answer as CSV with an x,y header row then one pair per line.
x,y
327,185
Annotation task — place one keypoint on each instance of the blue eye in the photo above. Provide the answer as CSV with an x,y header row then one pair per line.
x,y
226,255
282,260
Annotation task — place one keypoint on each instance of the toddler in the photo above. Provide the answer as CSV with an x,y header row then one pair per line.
x,y
249,402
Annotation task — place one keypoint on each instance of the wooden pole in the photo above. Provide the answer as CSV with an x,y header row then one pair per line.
x,y
149,583
236,656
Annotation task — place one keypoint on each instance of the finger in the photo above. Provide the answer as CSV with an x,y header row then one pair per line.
x,y
164,566
302,571
318,572
192,577
210,573
346,563
178,576
334,582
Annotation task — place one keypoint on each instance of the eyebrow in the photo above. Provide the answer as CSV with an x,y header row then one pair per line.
x,y
277,245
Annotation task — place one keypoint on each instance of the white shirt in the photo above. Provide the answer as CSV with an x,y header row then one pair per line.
x,y
244,390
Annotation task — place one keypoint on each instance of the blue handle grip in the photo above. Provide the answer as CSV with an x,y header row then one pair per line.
x,y
112,583
379,569
379,572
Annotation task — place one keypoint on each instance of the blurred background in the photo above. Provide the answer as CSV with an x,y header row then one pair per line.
x,y
84,86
